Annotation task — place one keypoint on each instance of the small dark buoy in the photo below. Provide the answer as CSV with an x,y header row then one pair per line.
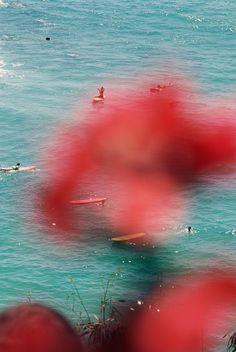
x,y
47,38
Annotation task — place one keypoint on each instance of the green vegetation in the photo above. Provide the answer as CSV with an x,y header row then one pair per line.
x,y
231,345
97,329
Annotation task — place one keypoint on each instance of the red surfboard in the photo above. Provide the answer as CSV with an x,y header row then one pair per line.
x,y
88,201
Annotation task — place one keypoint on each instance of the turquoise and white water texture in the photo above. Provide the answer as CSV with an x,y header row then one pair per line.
x,y
111,43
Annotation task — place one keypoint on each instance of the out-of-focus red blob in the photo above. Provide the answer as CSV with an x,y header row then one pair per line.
x,y
151,146
182,319
36,328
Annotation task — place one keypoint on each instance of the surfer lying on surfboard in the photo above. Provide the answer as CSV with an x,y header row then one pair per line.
x,y
17,167
14,167
157,88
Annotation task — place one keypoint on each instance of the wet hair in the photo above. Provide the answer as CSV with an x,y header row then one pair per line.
x,y
36,328
47,38
17,164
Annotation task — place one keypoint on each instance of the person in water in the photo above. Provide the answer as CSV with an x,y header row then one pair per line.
x,y
157,88
16,167
189,228
101,92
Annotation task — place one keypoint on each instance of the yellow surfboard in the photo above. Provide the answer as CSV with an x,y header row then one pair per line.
x,y
98,99
134,236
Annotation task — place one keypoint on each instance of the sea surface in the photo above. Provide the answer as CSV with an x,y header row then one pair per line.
x,y
117,44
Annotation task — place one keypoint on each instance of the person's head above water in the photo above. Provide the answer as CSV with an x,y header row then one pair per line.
x,y
189,228
17,164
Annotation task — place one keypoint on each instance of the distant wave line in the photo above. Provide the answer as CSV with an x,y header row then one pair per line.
x,y
3,4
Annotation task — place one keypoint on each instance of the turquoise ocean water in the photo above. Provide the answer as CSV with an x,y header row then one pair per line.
x,y
111,43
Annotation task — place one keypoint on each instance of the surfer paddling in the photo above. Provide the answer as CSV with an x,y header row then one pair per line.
x,y
157,88
15,168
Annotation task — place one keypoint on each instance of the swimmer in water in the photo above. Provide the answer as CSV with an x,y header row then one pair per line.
x,y
101,92
157,88
189,229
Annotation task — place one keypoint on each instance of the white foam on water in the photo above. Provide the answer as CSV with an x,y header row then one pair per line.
x,y
3,4
3,71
